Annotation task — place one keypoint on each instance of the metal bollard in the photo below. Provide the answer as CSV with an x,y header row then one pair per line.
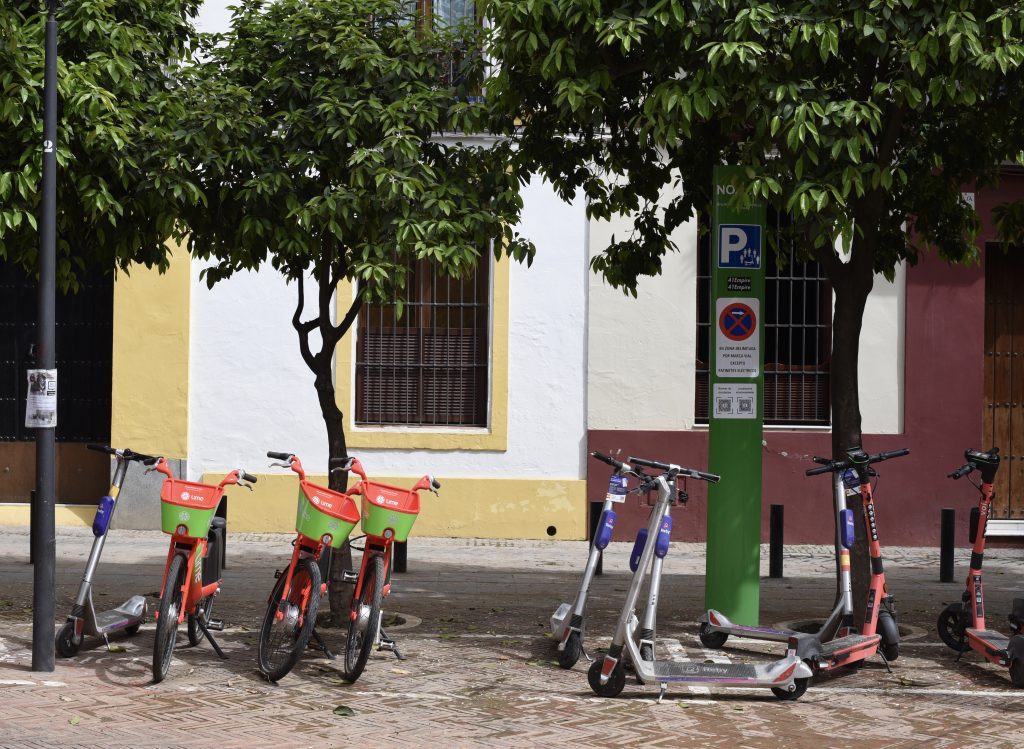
x,y
775,544
595,516
400,558
946,537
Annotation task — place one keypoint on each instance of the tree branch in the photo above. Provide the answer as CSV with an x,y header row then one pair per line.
x,y
303,328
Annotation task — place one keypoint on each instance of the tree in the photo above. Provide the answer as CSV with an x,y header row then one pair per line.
x,y
324,136
863,121
115,203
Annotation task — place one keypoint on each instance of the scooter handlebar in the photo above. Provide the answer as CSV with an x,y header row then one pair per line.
x,y
618,465
101,448
961,471
816,471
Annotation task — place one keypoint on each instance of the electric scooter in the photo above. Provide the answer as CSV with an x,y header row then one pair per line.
x,y
787,677
838,642
961,625
567,622
84,619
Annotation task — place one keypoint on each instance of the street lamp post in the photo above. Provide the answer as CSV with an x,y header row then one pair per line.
x,y
43,531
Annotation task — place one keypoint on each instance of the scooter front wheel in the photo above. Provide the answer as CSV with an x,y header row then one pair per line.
x,y
951,627
67,645
616,681
890,633
568,656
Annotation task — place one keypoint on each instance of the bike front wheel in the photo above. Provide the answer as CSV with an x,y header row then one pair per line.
x,y
365,619
167,619
288,625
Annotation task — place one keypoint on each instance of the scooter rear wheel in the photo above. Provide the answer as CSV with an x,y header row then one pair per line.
x,y
568,657
951,627
799,687
711,638
616,681
67,646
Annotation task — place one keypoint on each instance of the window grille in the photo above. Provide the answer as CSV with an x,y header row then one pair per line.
x,y
797,319
428,367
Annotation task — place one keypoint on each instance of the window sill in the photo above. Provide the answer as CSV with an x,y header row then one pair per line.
x,y
415,438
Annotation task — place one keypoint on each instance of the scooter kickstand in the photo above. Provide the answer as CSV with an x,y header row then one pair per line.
x,y
885,661
662,689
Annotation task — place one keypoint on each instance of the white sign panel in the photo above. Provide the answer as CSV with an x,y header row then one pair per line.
x,y
738,339
41,404
735,400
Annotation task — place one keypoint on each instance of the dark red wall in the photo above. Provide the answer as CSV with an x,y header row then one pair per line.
x,y
943,411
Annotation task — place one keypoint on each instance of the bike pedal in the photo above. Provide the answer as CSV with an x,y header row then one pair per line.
x,y
217,625
277,574
386,644
349,576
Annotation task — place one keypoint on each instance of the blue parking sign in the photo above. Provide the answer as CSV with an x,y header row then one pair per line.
x,y
739,246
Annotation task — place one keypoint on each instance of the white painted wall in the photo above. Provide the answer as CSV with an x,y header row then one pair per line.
x,y
251,392
627,379
642,351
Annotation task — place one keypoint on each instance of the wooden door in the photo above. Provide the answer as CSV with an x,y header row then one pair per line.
x,y
1004,375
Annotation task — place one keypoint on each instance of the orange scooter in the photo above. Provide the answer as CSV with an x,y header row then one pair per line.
x,y
961,625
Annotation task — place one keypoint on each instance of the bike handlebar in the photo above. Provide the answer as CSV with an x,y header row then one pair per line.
x,y
435,483
286,457
246,476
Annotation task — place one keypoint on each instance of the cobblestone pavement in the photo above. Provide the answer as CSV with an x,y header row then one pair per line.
x,y
479,670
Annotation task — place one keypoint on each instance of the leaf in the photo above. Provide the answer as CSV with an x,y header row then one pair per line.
x,y
115,648
74,720
344,711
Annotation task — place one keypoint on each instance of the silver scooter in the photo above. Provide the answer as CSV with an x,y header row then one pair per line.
x,y
567,623
787,677
84,619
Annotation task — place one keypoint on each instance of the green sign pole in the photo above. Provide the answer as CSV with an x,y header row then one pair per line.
x,y
735,410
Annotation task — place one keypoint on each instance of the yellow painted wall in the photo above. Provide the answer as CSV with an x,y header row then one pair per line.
x,y
65,516
495,437
466,508
149,412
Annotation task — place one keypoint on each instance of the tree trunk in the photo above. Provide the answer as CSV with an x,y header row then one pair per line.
x,y
339,593
851,284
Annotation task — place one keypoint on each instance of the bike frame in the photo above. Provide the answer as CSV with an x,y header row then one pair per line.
x,y
304,546
194,550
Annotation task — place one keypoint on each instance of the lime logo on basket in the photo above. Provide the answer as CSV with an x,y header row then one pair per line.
x,y
183,516
382,500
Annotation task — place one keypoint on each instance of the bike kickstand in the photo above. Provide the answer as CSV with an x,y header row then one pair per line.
x,y
209,636
321,645
386,643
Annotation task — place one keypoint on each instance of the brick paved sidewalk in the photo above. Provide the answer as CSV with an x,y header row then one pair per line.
x,y
479,669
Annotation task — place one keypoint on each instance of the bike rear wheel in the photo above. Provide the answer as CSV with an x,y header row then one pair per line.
x,y
167,619
362,629
282,640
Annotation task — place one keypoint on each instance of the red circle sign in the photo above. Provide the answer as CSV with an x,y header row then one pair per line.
x,y
737,322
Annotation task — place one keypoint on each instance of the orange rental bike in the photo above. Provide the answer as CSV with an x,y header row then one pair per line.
x,y
388,514
323,522
194,561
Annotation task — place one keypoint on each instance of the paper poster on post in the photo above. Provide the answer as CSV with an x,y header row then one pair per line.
x,y
735,400
41,403
738,338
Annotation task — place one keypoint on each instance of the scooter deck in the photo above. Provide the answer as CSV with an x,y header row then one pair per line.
x,y
704,672
844,650
718,622
128,613
989,643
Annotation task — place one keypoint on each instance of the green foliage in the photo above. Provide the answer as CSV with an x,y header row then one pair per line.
x,y
116,56
330,136
858,118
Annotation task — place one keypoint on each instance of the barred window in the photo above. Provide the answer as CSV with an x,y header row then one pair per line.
x,y
429,366
797,319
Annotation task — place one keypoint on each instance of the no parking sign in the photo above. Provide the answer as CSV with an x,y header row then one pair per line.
x,y
738,338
